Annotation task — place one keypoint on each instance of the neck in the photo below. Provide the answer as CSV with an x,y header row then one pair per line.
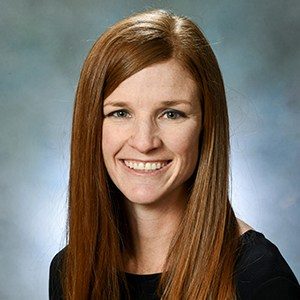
x,y
152,231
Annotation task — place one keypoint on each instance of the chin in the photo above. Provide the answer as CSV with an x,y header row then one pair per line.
x,y
143,200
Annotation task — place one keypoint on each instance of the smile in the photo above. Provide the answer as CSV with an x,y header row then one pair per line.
x,y
149,168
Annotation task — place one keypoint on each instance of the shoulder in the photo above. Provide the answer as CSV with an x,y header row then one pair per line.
x,y
262,272
243,227
58,259
55,275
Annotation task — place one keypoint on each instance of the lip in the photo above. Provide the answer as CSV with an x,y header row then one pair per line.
x,y
147,160
147,174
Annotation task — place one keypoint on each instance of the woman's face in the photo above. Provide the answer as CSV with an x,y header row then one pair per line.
x,y
151,132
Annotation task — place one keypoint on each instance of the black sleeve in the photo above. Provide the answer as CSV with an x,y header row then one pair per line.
x,y
55,287
279,288
262,272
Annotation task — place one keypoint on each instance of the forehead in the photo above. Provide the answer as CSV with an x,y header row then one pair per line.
x,y
159,82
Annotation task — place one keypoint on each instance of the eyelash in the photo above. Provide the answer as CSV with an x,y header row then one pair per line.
x,y
179,113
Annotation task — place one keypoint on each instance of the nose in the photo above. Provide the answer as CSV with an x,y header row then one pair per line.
x,y
144,136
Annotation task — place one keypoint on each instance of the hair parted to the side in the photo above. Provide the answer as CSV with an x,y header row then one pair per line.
x,y
202,255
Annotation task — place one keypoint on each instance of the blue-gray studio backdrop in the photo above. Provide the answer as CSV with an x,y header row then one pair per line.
x,y
43,45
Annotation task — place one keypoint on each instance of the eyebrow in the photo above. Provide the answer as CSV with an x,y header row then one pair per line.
x,y
166,103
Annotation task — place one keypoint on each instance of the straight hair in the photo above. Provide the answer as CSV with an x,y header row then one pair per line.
x,y
202,255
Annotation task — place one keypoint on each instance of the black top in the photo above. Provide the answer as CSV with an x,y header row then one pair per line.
x,y
261,273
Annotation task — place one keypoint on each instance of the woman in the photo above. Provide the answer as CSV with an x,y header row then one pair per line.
x,y
149,215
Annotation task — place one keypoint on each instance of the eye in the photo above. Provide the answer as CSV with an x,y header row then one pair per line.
x,y
119,114
174,114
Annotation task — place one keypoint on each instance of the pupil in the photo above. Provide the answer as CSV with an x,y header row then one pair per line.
x,y
171,114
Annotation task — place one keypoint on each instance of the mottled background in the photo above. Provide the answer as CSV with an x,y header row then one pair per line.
x,y
43,44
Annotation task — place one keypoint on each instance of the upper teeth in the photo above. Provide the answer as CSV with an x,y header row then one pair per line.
x,y
144,166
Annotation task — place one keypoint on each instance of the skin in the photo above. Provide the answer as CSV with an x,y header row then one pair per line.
x,y
244,227
142,128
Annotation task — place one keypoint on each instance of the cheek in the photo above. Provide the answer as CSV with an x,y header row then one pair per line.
x,y
186,141
110,142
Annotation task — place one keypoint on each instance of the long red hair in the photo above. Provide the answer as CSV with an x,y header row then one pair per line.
x,y
201,259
